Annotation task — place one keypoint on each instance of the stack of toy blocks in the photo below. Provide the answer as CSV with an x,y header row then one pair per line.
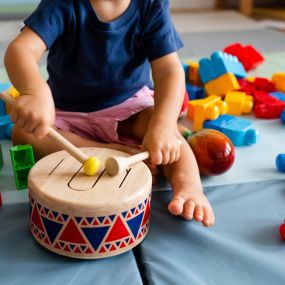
x,y
6,125
22,157
193,82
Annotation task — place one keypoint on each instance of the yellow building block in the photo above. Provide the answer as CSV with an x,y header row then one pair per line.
x,y
222,85
209,108
279,80
15,94
239,103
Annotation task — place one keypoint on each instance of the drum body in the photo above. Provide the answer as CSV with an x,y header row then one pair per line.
x,y
88,217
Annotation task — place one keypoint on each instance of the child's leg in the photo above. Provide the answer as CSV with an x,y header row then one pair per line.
x,y
47,145
188,197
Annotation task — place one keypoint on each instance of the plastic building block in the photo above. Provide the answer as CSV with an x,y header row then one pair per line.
x,y
222,85
195,92
205,109
193,76
278,95
282,117
279,80
3,87
1,157
264,84
5,121
247,55
266,106
280,162
186,70
184,107
22,157
219,64
8,131
239,130
15,94
239,103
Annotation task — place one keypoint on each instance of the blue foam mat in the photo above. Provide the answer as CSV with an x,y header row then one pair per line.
x,y
24,261
243,247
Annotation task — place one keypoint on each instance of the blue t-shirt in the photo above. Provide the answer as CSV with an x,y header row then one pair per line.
x,y
94,65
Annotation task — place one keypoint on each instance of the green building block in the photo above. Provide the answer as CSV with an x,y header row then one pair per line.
x,y
1,157
22,157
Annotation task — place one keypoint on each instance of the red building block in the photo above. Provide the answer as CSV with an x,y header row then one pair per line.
x,y
266,106
247,55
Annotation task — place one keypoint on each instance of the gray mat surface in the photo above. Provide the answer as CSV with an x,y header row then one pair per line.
x,y
204,44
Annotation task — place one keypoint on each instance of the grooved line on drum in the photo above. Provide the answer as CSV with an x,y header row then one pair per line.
x,y
101,174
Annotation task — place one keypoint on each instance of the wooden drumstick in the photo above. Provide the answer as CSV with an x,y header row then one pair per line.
x,y
116,164
90,164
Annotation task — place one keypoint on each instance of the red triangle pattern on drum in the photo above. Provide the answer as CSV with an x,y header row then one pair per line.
x,y
36,219
146,214
72,234
118,231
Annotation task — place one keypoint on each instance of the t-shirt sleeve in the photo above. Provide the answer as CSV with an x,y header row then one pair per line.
x,y
50,19
160,36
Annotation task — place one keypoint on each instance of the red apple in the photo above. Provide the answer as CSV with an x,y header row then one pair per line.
x,y
213,150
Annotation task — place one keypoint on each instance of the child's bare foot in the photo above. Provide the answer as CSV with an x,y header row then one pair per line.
x,y
191,203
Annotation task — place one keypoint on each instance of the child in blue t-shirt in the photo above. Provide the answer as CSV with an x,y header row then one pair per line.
x,y
99,89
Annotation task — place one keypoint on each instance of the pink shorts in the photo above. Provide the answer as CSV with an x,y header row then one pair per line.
x,y
102,125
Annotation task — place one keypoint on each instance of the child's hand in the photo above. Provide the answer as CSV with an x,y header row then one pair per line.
x,y
34,112
163,145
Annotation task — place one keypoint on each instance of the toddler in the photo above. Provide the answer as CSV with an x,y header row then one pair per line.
x,y
100,93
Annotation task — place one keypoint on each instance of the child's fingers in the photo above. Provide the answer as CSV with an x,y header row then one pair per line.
x,y
41,131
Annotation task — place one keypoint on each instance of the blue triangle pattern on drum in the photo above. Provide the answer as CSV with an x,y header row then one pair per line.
x,y
65,217
52,228
117,243
112,217
90,219
140,206
95,235
46,210
83,247
78,219
55,214
101,219
107,245
135,223
124,214
133,210
71,246
62,244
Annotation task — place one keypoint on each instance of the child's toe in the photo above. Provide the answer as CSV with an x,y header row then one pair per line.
x,y
208,218
189,208
198,213
175,207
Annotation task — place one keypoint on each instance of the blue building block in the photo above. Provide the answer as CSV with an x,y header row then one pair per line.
x,y
3,87
280,162
186,70
5,121
238,130
195,92
278,95
22,157
219,64
283,116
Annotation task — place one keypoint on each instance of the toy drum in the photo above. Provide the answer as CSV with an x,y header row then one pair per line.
x,y
88,217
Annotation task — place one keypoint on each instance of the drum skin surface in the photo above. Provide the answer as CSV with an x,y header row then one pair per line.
x,y
88,217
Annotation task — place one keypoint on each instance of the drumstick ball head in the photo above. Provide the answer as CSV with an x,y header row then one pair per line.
x,y
91,165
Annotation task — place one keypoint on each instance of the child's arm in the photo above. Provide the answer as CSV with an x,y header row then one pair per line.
x,y
34,112
162,135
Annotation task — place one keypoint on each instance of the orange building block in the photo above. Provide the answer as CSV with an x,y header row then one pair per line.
x,y
222,85
239,103
193,74
279,80
209,108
